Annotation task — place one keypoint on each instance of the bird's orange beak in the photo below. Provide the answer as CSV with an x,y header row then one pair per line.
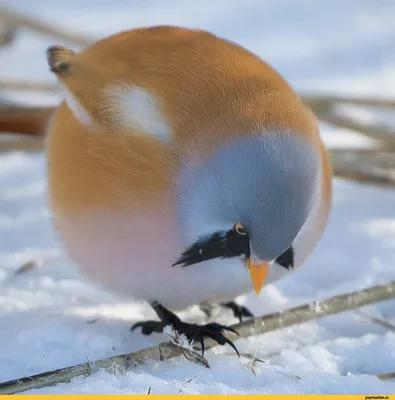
x,y
258,273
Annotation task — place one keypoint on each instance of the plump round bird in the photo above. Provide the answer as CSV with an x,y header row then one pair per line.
x,y
183,170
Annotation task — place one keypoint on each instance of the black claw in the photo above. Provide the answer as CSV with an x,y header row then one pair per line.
x,y
231,344
228,328
238,311
245,312
191,331
222,340
201,339
148,327
214,331
219,328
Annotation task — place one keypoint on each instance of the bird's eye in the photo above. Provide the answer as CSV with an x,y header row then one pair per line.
x,y
240,230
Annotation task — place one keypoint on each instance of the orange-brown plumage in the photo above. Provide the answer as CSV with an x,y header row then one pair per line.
x,y
242,95
108,167
103,169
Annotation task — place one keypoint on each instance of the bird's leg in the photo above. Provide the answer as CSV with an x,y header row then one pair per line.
x,y
238,310
192,332
207,309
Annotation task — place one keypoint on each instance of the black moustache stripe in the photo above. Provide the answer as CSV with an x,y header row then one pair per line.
x,y
228,244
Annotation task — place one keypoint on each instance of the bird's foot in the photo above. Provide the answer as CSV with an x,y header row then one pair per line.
x,y
148,327
192,332
238,310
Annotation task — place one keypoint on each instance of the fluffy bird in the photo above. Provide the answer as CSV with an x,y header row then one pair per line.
x,y
183,170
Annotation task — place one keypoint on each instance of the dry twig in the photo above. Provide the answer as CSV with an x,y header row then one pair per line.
x,y
24,120
27,86
7,34
377,320
246,329
318,100
385,377
375,131
374,167
37,263
22,143
16,19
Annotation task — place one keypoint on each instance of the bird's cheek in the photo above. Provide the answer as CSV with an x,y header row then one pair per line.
x,y
258,271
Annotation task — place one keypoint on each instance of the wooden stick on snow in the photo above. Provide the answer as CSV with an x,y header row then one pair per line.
x,y
166,351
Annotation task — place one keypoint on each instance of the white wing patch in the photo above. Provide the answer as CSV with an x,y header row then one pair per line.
x,y
77,109
135,107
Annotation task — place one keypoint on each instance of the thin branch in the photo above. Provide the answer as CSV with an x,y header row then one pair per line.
x,y
372,152
364,178
377,320
25,120
374,168
165,351
374,131
22,143
14,18
38,263
34,86
385,377
314,100
7,34
320,106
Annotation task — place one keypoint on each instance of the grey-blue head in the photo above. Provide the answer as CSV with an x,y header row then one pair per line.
x,y
249,199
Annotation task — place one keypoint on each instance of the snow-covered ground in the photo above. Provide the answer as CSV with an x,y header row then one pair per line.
x,y
52,318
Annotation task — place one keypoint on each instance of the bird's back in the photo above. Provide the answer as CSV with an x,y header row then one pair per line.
x,y
201,91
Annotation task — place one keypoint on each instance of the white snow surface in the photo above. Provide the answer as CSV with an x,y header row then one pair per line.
x,y
52,317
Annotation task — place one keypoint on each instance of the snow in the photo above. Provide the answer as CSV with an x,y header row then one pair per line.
x,y
53,318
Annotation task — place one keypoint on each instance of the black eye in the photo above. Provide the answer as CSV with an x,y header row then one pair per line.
x,y
240,230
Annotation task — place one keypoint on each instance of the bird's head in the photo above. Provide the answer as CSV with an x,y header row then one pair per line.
x,y
249,199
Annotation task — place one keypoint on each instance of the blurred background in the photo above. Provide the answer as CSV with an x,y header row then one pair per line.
x,y
339,56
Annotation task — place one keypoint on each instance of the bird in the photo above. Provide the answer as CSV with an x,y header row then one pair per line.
x,y
183,170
